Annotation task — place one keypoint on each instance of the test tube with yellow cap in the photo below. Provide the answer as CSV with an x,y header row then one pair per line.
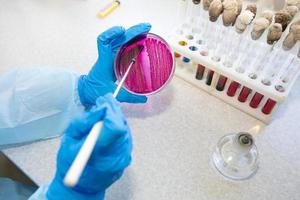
x,y
109,8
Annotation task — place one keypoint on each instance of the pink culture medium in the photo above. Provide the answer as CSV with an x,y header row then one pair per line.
x,y
154,66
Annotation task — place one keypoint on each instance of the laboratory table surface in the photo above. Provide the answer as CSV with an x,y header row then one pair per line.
x,y
174,134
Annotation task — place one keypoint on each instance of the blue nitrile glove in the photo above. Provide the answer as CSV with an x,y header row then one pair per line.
x,y
111,155
101,79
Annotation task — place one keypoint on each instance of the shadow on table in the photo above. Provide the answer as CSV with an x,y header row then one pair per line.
x,y
123,188
14,183
156,104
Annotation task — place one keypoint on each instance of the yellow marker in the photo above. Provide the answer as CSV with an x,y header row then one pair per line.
x,y
109,9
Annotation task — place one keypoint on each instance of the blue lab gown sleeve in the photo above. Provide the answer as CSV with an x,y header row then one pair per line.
x,y
36,104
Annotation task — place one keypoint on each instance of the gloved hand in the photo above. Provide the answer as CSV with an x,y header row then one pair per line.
x,y
101,79
111,155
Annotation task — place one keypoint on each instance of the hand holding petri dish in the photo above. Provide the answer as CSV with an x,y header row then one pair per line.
x,y
153,67
143,66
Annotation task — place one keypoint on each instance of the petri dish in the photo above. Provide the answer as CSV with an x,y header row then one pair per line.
x,y
154,66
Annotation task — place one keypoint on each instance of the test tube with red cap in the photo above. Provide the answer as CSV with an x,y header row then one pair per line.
x,y
226,60
262,61
246,63
282,59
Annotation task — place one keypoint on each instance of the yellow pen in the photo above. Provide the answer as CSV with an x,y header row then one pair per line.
x,y
109,9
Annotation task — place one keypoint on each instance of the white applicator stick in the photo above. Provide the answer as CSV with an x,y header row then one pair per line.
x,y
73,175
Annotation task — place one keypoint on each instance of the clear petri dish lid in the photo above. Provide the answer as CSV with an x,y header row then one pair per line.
x,y
236,156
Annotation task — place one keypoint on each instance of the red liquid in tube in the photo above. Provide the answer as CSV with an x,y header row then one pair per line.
x,y
209,77
232,88
255,101
200,72
244,94
268,107
221,83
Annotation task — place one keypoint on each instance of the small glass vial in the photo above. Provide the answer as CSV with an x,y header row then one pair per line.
x,y
236,156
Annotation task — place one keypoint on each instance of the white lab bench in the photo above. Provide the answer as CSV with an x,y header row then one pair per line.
x,y
174,133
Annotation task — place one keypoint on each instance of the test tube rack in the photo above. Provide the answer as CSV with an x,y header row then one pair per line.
x,y
237,88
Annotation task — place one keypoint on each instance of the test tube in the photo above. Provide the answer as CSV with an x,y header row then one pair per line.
x,y
205,42
232,88
231,49
192,48
217,43
244,63
181,10
288,75
244,94
190,11
209,35
246,58
262,56
268,107
270,73
213,45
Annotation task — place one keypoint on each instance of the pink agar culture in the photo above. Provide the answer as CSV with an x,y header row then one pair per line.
x,y
153,68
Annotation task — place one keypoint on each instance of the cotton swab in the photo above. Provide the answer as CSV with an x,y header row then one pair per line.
x,y
73,175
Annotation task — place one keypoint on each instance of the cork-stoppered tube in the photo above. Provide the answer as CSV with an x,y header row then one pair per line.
x,y
230,12
243,20
206,4
274,34
261,24
284,18
292,10
259,27
268,15
293,36
252,7
239,6
215,10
